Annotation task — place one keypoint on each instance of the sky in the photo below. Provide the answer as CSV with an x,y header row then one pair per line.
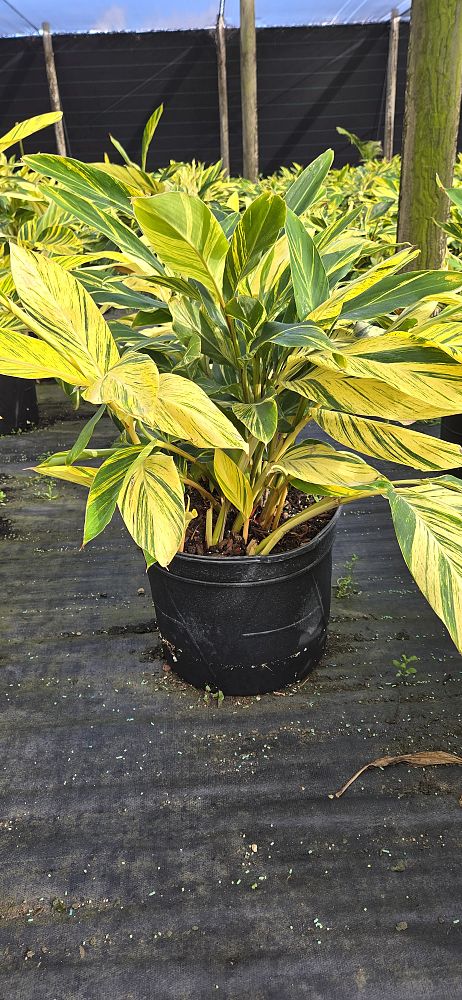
x,y
148,15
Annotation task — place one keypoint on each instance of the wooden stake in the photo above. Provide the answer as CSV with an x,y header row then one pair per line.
x,y
431,123
53,88
249,89
223,91
390,101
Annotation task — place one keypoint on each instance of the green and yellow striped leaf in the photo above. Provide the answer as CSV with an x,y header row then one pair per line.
x,y
233,483
148,133
305,188
309,278
185,411
445,336
152,505
105,489
84,437
255,234
261,419
332,307
396,444
399,291
365,397
186,236
28,127
320,464
24,357
409,369
428,525
131,386
103,222
81,474
83,179
63,313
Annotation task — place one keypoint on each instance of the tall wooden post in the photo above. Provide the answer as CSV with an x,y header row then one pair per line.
x,y
431,123
53,88
248,43
222,90
390,100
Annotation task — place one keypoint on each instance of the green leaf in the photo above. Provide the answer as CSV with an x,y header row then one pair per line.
x,y
24,357
394,443
342,472
233,483
309,278
400,291
83,179
80,474
152,505
105,489
84,437
28,127
148,133
428,525
108,225
293,335
185,411
63,313
130,386
186,237
255,234
305,188
261,419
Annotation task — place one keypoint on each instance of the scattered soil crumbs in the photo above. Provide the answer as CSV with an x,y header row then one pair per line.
x,y
233,544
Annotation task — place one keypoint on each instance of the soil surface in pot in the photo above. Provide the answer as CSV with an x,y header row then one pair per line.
x,y
233,543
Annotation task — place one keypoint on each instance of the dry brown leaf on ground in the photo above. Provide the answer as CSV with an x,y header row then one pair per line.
x,y
425,759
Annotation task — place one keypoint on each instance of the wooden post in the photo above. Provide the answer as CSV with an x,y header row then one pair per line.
x,y
431,123
390,100
222,90
248,44
53,88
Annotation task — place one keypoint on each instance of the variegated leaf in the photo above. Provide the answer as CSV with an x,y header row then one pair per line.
x,y
185,411
261,419
309,278
63,313
186,236
28,127
396,444
105,489
131,386
366,397
81,474
320,464
152,505
25,357
428,525
255,234
233,483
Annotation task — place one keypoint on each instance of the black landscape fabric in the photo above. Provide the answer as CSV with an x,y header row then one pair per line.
x,y
154,846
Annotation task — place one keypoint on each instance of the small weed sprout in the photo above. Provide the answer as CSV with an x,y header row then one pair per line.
x,y
47,491
345,586
2,497
217,696
404,669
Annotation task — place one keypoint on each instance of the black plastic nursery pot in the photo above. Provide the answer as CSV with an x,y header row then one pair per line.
x,y
246,625
18,404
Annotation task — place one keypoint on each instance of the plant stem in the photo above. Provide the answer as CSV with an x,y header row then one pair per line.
x,y
200,489
209,527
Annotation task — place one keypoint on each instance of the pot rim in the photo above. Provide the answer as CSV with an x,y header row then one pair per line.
x,y
277,557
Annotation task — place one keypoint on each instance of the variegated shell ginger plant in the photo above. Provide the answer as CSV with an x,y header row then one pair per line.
x,y
260,331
